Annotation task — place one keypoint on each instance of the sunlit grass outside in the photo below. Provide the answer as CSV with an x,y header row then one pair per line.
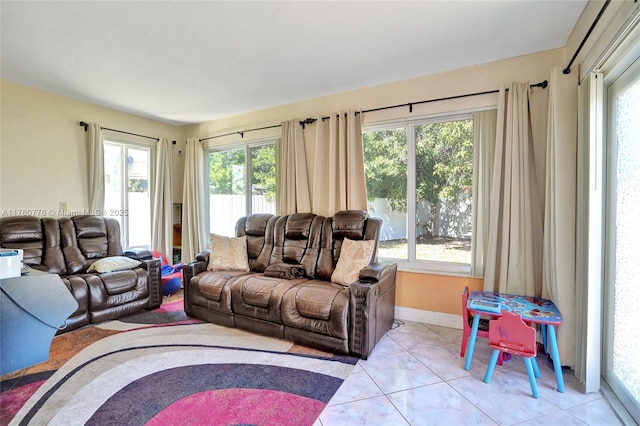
x,y
437,249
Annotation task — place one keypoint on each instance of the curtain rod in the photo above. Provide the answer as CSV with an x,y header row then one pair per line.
x,y
241,133
86,127
542,84
567,70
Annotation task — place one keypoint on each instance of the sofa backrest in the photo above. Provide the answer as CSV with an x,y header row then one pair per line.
x,y
258,228
297,241
86,239
38,238
351,224
305,238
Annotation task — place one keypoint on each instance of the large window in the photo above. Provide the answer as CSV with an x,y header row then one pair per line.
x,y
242,181
419,181
127,170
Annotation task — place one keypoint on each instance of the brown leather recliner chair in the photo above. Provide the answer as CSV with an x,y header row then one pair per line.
x,y
67,247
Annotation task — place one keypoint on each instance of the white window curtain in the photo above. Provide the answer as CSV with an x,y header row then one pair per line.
x,y
559,244
514,253
292,179
162,212
338,175
96,167
484,142
193,229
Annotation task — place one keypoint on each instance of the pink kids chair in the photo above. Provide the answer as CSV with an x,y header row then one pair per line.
x,y
511,335
171,274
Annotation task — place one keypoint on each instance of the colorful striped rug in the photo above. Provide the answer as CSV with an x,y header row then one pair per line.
x,y
163,368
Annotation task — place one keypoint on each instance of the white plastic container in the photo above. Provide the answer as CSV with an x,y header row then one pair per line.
x,y
10,263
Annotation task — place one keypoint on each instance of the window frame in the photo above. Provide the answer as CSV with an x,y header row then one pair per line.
x,y
151,158
411,264
247,146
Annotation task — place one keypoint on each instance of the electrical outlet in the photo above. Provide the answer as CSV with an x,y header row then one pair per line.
x,y
62,205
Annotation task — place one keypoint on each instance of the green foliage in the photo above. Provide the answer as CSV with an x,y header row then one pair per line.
x,y
224,178
138,185
227,171
444,160
444,164
385,160
263,170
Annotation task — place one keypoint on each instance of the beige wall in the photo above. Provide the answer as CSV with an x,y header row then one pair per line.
x,y
427,292
44,150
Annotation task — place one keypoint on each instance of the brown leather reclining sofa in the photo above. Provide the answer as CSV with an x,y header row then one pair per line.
x,y
68,246
310,310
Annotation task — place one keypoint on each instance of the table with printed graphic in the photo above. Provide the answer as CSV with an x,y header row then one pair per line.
x,y
533,310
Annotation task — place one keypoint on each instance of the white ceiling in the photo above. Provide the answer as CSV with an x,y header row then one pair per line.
x,y
194,61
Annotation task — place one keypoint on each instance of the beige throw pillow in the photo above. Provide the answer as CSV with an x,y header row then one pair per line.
x,y
113,263
228,254
354,256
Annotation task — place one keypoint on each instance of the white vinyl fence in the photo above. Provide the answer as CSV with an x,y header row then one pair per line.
x,y
226,209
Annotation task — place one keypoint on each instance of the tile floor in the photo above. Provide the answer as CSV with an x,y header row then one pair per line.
x,y
415,376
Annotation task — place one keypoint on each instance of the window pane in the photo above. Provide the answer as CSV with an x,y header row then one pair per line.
x,y
139,202
113,178
127,199
444,174
626,335
263,179
385,154
227,202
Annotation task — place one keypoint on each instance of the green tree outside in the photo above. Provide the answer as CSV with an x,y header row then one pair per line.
x,y
444,166
227,171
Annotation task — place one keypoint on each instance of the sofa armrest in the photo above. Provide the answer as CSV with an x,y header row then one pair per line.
x,y
373,272
203,256
138,254
152,266
190,270
372,307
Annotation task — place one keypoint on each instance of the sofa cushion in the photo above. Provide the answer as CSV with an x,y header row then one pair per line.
x,y
315,302
354,256
349,224
119,282
296,240
88,238
319,307
113,263
39,238
257,291
212,283
228,253
260,297
258,228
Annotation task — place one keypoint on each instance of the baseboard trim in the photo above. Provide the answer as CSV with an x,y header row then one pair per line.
x,y
429,317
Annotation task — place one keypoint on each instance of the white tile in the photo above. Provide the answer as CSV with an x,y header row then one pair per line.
x,y
452,335
444,360
416,376
398,372
548,385
386,346
596,413
372,411
357,386
413,336
558,418
437,404
505,400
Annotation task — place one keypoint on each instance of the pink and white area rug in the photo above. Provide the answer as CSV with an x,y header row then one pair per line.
x,y
163,368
